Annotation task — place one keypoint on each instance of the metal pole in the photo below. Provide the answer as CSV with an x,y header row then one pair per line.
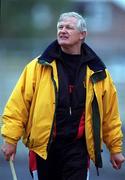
x,y
12,170
10,161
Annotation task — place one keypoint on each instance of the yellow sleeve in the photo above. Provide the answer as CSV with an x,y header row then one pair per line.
x,y
17,109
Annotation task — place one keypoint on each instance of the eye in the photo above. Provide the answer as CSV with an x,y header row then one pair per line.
x,y
70,27
60,27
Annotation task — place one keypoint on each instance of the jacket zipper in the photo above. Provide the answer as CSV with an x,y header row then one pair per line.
x,y
56,97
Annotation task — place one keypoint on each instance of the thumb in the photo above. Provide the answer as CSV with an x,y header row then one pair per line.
x,y
114,164
12,157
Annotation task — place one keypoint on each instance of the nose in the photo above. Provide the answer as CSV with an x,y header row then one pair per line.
x,y
63,29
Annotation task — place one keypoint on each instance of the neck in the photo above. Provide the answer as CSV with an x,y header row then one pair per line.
x,y
71,50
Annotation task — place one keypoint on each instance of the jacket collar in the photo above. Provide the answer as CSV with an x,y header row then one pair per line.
x,y
88,55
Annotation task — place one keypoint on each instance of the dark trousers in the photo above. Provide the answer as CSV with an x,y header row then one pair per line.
x,y
67,160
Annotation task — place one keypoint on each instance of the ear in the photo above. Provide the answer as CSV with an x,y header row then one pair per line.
x,y
83,35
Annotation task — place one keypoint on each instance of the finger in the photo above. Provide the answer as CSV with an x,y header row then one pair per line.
x,y
13,157
2,149
115,166
119,163
7,157
123,160
119,166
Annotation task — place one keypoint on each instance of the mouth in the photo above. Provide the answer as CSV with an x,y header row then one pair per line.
x,y
63,37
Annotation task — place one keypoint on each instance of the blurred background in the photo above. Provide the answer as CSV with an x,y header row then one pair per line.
x,y
27,27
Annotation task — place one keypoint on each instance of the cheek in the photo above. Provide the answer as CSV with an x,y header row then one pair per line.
x,y
58,32
75,37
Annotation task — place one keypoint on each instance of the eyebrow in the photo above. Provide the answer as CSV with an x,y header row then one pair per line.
x,y
66,25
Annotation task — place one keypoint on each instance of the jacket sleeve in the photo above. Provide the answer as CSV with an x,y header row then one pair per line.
x,y
112,133
16,111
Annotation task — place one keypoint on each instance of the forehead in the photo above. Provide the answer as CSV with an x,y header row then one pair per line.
x,y
68,20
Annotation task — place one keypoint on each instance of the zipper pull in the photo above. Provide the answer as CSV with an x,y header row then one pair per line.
x,y
70,110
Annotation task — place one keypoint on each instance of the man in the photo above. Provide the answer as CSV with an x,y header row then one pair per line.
x,y
64,105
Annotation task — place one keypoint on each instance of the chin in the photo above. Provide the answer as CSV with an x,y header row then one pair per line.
x,y
63,43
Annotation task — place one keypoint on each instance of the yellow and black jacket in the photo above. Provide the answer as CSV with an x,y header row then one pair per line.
x,y
30,110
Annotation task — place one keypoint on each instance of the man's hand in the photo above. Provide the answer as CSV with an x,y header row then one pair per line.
x,y
9,150
117,160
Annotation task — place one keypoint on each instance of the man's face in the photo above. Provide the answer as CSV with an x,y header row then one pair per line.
x,y
68,34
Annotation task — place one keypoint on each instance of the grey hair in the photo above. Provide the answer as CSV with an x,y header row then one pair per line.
x,y
81,23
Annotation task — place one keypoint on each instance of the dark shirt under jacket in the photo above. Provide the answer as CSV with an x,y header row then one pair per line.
x,y
71,99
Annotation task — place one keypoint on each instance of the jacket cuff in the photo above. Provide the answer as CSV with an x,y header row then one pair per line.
x,y
116,150
10,140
